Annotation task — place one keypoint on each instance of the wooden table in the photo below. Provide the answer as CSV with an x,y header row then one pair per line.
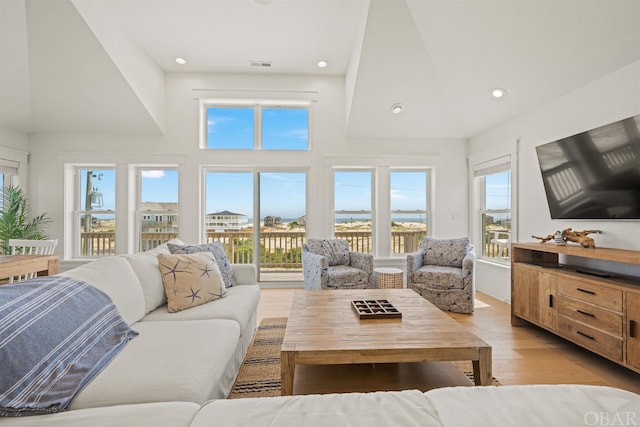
x,y
324,329
13,265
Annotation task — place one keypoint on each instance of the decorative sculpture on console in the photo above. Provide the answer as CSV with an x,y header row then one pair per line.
x,y
580,237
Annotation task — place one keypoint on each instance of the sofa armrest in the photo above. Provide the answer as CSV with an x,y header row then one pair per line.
x,y
245,274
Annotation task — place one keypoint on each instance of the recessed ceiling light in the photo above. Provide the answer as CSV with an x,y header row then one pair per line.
x,y
397,108
180,60
323,64
498,92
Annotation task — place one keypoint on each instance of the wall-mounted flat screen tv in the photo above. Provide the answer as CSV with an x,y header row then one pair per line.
x,y
594,174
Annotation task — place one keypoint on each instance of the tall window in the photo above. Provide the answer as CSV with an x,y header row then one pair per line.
x,y
8,172
493,195
95,218
408,201
255,125
352,204
283,203
157,206
229,213
274,229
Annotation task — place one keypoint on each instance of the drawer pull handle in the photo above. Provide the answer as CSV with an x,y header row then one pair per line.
x,y
551,301
585,313
632,328
585,335
585,291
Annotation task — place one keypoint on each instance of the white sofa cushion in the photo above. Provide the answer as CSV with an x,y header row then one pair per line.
x,y
239,304
145,265
183,361
169,414
405,408
534,405
114,276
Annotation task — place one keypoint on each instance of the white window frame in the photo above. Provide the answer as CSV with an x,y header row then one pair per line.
x,y
78,210
428,197
483,162
258,106
372,171
139,212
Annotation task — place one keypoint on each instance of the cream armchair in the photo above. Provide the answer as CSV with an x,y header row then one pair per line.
x,y
442,271
329,264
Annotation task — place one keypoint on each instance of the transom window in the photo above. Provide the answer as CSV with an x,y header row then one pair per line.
x,y
255,125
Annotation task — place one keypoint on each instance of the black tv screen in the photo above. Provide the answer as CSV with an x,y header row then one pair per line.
x,y
594,174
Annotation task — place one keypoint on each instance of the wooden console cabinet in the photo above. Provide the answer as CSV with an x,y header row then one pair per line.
x,y
598,310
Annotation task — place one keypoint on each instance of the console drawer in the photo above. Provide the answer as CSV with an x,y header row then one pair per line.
x,y
590,292
591,338
591,314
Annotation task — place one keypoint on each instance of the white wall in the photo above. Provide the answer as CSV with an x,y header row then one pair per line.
x,y
179,144
608,99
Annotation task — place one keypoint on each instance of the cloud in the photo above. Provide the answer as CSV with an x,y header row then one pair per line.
x,y
214,121
153,174
396,195
298,133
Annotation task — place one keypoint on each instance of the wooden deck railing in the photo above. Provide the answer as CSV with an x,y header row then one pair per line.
x,y
279,249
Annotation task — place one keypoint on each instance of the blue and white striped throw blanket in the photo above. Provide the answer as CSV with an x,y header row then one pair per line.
x,y
56,335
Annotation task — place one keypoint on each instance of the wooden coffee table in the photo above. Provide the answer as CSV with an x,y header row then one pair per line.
x,y
324,329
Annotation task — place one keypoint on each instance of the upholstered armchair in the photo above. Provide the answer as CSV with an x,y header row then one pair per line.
x,y
442,271
329,264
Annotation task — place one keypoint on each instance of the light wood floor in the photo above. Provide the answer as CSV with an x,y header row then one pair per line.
x,y
521,355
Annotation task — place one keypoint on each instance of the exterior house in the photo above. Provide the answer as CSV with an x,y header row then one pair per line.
x,y
272,221
159,217
226,221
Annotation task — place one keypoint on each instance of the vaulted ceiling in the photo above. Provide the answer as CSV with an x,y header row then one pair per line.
x,y
65,64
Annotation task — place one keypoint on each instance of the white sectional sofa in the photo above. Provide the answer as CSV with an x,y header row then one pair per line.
x,y
189,356
522,406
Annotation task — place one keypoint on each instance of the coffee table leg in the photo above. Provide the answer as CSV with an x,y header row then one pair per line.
x,y
482,367
287,370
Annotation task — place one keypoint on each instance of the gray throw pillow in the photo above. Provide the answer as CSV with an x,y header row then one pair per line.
x,y
219,254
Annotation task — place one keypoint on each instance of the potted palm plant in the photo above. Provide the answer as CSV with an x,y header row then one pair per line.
x,y
14,219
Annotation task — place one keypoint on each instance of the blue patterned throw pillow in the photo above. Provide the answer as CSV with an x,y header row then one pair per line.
x,y
218,252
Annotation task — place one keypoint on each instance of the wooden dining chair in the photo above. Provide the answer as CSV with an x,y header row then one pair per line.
x,y
30,247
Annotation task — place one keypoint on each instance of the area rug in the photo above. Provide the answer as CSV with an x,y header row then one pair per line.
x,y
259,375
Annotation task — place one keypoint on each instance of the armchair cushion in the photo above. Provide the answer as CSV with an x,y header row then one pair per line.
x,y
335,250
439,277
444,252
345,277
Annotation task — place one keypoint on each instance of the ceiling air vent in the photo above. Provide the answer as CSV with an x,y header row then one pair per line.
x,y
263,64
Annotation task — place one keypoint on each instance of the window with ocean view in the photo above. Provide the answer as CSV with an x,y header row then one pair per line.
x,y
409,207
157,206
352,208
283,203
493,197
95,212
275,231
